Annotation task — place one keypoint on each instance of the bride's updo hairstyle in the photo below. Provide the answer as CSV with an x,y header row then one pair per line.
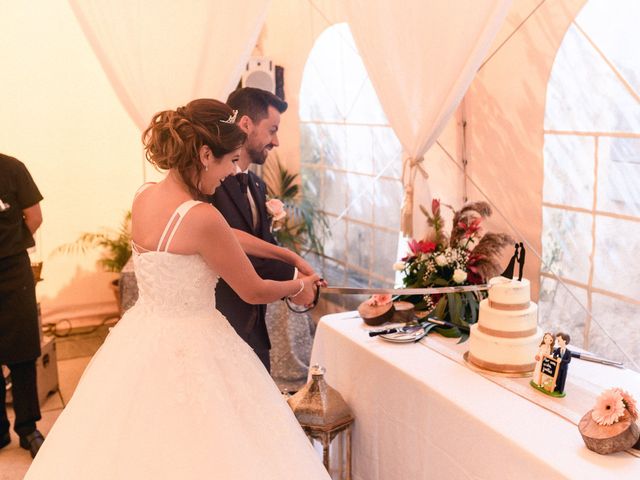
x,y
174,137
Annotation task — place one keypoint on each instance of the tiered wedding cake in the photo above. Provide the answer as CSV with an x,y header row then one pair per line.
x,y
507,336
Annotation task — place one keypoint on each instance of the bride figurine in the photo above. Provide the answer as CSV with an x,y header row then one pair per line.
x,y
174,393
545,348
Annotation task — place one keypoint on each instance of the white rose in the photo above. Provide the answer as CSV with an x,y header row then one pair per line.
x,y
275,208
399,266
459,276
441,260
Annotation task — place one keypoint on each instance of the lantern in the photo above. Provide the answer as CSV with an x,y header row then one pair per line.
x,y
326,419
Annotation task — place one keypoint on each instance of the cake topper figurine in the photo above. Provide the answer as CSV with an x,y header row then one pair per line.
x,y
564,354
550,374
545,348
518,256
508,273
521,261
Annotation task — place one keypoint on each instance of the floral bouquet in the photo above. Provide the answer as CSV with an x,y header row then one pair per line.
x,y
466,256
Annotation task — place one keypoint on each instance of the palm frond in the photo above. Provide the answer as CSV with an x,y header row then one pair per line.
x,y
115,245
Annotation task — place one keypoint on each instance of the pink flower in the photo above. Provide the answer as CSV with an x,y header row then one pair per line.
x,y
421,247
471,228
275,208
435,207
629,403
379,299
609,407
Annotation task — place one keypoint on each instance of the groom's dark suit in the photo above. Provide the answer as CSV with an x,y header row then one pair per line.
x,y
248,320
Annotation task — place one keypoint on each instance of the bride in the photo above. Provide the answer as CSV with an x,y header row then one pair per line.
x,y
174,392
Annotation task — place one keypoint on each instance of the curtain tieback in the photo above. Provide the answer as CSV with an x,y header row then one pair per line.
x,y
410,168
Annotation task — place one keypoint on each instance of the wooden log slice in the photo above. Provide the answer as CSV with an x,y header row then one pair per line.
x,y
604,439
403,311
375,315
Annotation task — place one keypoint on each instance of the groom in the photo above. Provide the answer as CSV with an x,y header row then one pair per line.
x,y
241,200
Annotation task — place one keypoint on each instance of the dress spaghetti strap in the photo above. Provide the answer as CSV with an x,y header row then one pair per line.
x,y
174,223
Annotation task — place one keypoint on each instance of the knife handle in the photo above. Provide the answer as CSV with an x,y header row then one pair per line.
x,y
375,333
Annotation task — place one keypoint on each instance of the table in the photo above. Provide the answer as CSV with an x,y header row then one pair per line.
x,y
421,415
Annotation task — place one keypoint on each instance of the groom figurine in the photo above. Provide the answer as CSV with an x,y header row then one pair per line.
x,y
241,200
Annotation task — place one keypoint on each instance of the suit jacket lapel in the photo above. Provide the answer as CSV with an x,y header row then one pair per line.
x,y
239,200
259,200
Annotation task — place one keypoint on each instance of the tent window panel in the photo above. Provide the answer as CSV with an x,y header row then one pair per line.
x,y
566,243
591,210
334,196
386,149
619,320
334,246
613,38
616,259
583,80
351,163
333,141
559,309
361,199
619,176
569,171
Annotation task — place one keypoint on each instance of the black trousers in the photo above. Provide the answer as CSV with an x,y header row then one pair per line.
x,y
25,399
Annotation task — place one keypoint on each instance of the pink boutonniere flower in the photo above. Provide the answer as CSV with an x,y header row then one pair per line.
x,y
275,208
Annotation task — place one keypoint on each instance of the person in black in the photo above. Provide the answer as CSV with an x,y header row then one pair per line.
x,y
20,217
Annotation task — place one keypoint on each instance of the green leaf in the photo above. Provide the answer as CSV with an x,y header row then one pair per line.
x,y
441,308
455,308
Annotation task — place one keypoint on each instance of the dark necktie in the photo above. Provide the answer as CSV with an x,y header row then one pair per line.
x,y
243,180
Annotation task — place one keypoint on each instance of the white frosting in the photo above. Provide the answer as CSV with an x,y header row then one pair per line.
x,y
501,337
504,351
509,292
508,320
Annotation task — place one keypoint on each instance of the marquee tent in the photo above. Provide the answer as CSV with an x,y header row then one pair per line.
x,y
531,105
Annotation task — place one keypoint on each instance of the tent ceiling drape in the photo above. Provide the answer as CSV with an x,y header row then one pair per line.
x,y
160,54
421,61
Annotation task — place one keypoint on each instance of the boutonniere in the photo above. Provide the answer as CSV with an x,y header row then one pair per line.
x,y
4,206
277,213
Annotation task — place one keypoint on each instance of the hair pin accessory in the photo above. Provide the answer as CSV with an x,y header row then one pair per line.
x,y
232,117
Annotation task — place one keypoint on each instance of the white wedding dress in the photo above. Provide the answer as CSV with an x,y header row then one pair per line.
x,y
175,393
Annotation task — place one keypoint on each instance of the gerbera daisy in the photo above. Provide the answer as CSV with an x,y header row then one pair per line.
x,y
629,403
609,407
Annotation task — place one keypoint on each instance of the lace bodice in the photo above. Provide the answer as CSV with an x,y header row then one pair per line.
x,y
173,283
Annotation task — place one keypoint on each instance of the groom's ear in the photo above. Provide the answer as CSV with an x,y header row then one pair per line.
x,y
245,123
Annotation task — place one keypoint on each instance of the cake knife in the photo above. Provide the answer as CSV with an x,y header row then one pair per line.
x,y
391,291
592,358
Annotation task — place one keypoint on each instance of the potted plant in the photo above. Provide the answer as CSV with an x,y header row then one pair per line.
x,y
304,225
114,243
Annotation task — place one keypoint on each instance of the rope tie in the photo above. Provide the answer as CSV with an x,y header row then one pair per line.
x,y
410,168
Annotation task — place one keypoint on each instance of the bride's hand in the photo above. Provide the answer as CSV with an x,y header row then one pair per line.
x,y
307,295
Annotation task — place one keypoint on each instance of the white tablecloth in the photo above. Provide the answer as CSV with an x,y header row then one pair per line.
x,y
421,415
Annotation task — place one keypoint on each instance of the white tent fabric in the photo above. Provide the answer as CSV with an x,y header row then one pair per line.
x,y
420,83
160,54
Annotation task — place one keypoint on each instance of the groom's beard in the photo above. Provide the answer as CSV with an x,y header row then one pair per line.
x,y
258,155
